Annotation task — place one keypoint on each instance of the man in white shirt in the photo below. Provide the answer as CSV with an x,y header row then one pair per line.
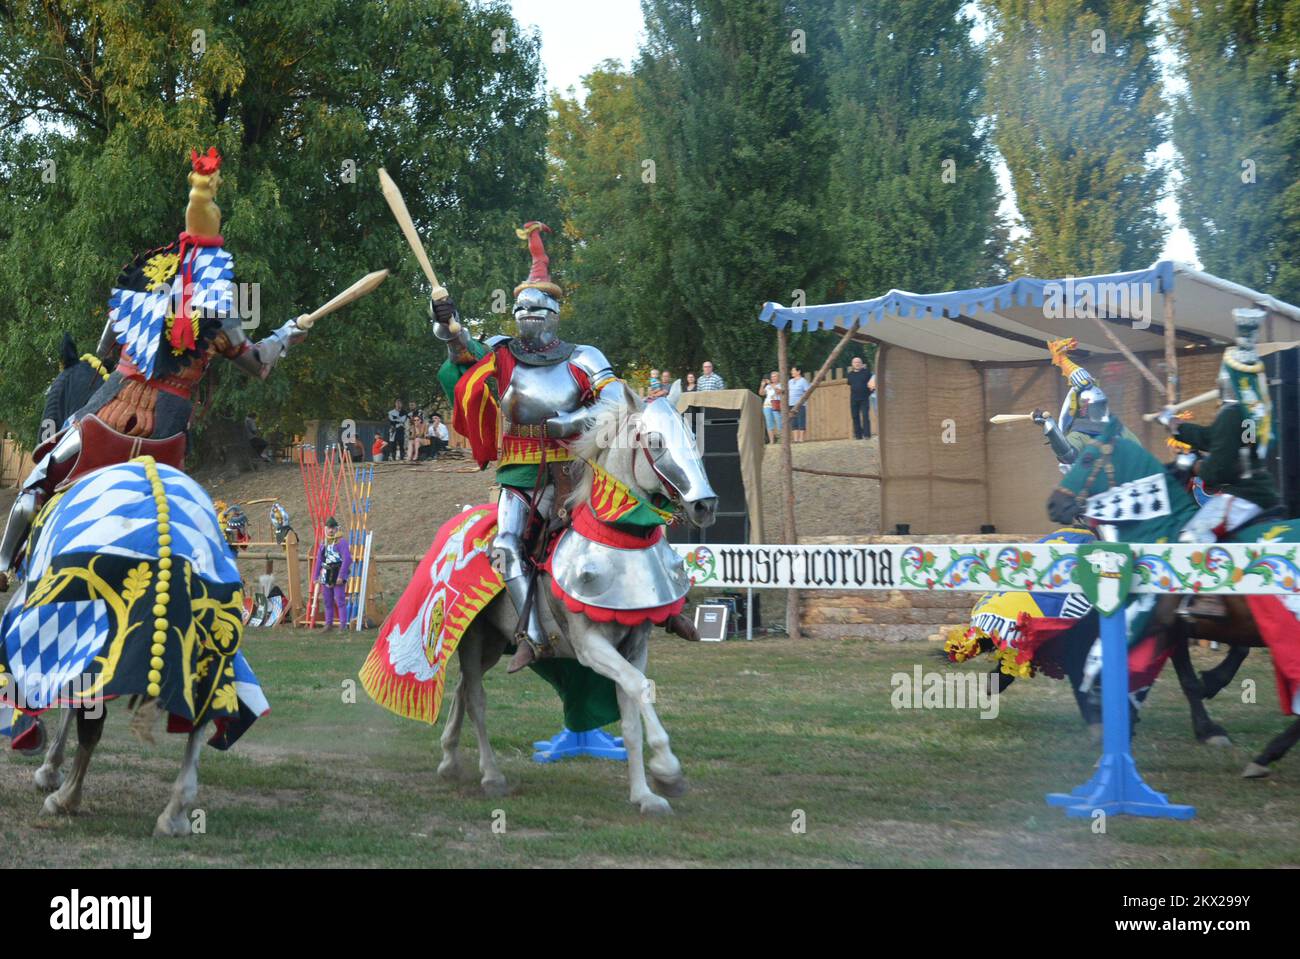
x,y
439,437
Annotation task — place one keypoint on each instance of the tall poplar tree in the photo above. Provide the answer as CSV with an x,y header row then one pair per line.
x,y
734,113
1236,125
1074,93
913,192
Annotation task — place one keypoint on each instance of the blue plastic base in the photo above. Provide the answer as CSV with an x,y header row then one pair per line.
x,y
566,743
1117,788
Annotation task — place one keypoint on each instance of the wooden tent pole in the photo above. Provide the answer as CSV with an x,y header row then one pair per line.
x,y
825,367
787,481
1129,354
1171,351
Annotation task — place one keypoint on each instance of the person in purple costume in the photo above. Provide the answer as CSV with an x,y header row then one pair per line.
x,y
334,565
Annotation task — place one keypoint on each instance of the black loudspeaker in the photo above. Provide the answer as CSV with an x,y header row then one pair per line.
x,y
1284,374
717,431
741,610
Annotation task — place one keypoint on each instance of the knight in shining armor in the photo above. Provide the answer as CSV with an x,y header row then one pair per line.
x,y
1236,443
548,390
1085,412
172,310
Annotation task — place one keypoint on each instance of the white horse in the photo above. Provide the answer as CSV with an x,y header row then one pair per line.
x,y
651,450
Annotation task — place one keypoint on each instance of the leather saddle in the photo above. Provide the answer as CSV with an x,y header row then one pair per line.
x,y
101,446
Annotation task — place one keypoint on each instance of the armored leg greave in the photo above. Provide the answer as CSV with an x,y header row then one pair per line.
x,y
511,558
31,499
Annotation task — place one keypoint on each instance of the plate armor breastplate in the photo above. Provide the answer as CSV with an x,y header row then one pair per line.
x,y
536,393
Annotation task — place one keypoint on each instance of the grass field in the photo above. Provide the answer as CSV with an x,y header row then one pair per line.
x,y
763,729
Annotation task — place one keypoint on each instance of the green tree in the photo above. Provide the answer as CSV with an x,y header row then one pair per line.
x,y
913,194
734,113
1235,127
1074,93
598,151
99,107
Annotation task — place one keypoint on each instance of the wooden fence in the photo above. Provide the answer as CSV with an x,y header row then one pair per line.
x,y
15,462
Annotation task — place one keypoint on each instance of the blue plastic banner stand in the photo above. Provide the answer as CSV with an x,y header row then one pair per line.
x,y
1116,787
566,743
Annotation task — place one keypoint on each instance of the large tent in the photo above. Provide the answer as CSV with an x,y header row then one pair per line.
x,y
949,361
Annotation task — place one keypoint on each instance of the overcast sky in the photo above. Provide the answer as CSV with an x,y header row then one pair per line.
x,y
578,34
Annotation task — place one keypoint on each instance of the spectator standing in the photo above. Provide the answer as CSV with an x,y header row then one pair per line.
x,y
665,384
439,436
655,384
795,391
871,385
397,429
334,562
770,389
710,380
859,378
690,386
377,449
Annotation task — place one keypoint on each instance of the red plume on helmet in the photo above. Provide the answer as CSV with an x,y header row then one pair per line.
x,y
539,277
207,164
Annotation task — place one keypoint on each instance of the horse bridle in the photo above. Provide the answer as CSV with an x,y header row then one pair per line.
x,y
1103,462
674,494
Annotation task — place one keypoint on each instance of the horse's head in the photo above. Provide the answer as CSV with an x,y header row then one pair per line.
x,y
650,448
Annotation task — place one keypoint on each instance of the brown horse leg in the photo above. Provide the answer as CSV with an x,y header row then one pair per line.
x,y
1275,750
1213,680
67,798
1205,729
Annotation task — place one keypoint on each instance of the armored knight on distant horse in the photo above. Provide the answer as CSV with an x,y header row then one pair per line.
x,y
1058,635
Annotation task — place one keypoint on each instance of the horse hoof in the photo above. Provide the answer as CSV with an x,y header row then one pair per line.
x,y
48,779
495,787
449,772
52,807
653,805
673,789
1219,739
171,828
1255,771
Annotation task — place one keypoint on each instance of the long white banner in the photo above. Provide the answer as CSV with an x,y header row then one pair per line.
x,y
1250,568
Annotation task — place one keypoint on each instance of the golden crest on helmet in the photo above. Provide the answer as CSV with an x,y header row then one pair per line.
x,y
160,269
